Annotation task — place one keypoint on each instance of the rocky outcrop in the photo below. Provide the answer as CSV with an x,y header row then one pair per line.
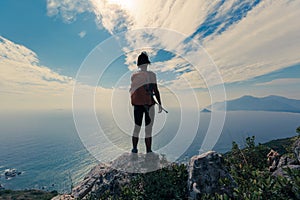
x,y
100,173
297,149
287,161
10,173
63,197
281,171
110,177
205,174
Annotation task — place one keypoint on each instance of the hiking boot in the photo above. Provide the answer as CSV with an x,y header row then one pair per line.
x,y
134,150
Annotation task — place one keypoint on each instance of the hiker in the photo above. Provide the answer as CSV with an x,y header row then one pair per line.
x,y
143,89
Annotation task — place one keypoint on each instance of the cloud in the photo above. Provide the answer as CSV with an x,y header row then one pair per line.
x,y
111,16
281,82
25,84
264,41
245,38
67,9
17,53
82,34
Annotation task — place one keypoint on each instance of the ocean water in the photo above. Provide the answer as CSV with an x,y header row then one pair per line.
x,y
47,149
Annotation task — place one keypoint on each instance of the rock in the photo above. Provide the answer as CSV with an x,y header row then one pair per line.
x,y
111,177
139,163
205,172
63,197
99,172
10,173
286,160
282,172
297,149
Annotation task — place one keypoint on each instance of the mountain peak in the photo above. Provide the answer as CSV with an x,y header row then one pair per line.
x,y
205,110
269,103
247,97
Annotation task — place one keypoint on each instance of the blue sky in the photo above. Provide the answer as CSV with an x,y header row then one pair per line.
x,y
56,43
254,45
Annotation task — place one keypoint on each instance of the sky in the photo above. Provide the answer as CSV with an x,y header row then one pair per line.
x,y
247,47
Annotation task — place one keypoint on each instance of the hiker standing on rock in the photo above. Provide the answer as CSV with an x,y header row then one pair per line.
x,y
142,91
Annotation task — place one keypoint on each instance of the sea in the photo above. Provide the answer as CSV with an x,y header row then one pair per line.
x,y
50,153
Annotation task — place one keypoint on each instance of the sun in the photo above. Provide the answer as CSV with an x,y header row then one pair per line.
x,y
127,4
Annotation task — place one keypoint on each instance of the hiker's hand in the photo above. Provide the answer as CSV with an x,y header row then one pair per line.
x,y
159,108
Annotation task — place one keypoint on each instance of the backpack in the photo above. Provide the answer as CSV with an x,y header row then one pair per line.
x,y
141,89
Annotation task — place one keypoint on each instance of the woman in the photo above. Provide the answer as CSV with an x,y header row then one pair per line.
x,y
143,88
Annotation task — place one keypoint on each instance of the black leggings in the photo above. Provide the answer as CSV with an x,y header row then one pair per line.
x,y
139,111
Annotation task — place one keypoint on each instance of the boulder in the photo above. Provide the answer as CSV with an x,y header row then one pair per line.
x,y
10,173
281,171
297,149
63,197
110,177
100,174
287,162
205,172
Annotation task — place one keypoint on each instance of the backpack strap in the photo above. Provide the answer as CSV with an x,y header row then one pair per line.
x,y
149,86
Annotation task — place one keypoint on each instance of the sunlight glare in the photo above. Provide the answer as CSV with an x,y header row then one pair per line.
x,y
127,4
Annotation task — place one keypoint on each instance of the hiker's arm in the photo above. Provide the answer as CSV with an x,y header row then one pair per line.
x,y
156,93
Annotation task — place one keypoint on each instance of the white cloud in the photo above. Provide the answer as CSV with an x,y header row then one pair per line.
x,y
82,34
264,40
281,82
25,84
15,52
67,9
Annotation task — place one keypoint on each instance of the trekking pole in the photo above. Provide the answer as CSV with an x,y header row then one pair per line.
x,y
154,98
163,109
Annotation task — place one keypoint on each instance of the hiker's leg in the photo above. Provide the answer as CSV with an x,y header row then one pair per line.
x,y
138,118
135,136
149,119
148,142
135,141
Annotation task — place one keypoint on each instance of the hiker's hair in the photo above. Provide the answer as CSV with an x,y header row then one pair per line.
x,y
143,59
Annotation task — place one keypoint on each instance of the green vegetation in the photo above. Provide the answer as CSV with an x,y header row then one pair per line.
x,y
282,146
27,194
298,130
249,169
